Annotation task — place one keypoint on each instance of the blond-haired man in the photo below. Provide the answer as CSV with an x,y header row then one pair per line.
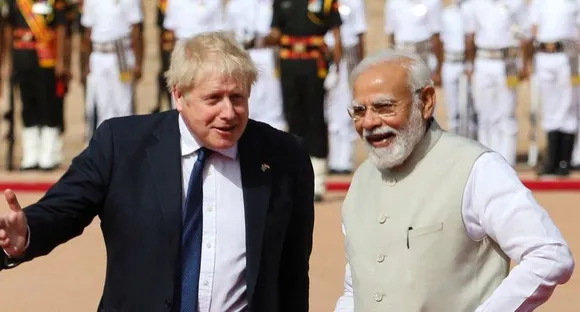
x,y
432,218
200,207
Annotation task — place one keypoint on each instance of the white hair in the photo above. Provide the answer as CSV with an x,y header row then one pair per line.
x,y
419,74
407,137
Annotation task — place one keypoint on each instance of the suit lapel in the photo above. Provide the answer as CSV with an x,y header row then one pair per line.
x,y
256,185
164,157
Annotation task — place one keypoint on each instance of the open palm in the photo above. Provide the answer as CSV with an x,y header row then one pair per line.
x,y
13,227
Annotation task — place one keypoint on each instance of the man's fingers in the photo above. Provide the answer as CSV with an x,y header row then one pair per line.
x,y
5,243
12,200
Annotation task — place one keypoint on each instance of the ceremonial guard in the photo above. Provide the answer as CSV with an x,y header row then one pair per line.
x,y
458,99
113,38
299,28
497,69
166,42
339,96
250,21
187,18
414,26
554,31
37,31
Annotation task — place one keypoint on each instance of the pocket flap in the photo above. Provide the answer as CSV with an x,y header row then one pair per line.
x,y
425,230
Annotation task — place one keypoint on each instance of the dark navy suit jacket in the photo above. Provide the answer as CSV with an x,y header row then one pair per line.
x,y
130,177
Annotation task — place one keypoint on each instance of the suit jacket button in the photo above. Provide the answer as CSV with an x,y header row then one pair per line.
x,y
168,304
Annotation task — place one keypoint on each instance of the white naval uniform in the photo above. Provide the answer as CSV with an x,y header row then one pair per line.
x,y
412,22
556,20
339,96
576,153
453,68
247,19
107,95
188,18
492,23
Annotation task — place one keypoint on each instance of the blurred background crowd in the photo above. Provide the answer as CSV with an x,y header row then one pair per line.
x,y
480,52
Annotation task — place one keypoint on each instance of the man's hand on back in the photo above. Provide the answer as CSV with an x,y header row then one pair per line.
x,y
13,228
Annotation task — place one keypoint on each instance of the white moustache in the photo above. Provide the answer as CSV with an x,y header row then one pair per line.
x,y
381,130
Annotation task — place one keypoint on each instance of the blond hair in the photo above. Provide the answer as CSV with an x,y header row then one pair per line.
x,y
209,53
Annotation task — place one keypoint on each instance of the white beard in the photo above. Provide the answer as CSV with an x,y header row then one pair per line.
x,y
403,145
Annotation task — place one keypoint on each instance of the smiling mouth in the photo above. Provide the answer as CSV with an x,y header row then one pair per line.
x,y
380,140
225,129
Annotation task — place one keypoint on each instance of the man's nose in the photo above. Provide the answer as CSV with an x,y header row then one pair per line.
x,y
228,111
370,120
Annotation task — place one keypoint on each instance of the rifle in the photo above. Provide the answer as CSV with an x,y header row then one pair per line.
x,y
9,116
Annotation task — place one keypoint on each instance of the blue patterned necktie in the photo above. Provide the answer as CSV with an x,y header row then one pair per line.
x,y
192,235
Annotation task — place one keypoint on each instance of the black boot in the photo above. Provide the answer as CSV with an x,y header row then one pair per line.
x,y
566,150
550,166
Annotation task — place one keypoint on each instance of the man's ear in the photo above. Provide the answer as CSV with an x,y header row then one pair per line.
x,y
178,97
428,98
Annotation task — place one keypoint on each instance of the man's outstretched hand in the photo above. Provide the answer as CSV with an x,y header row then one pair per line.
x,y
13,227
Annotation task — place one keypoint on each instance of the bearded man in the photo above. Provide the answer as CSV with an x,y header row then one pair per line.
x,y
432,219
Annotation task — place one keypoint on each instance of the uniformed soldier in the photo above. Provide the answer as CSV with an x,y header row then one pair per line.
x,y
496,70
250,21
339,97
554,25
461,120
187,18
113,37
166,42
576,153
299,28
37,33
414,26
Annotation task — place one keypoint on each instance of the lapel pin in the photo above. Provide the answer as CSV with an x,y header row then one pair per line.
x,y
265,167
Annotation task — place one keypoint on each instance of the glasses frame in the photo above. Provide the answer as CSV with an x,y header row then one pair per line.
x,y
373,109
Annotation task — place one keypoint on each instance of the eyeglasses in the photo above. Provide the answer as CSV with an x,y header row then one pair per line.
x,y
383,108
358,111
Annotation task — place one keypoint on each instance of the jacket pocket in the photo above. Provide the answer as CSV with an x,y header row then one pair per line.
x,y
426,230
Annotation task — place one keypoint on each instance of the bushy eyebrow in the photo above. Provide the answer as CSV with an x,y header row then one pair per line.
x,y
379,98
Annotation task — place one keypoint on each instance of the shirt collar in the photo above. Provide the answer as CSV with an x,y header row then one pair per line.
x,y
190,144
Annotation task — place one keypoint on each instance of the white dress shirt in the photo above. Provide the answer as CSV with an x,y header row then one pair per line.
x,y
556,19
452,32
222,283
188,18
498,205
248,18
492,21
111,19
353,15
412,20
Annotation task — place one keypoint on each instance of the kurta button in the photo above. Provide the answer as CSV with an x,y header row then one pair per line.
x,y
168,304
378,297
382,218
380,258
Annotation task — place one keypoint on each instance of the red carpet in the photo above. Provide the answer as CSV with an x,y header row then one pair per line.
x,y
534,185
337,186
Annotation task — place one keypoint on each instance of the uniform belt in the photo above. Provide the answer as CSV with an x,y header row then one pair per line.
x,y
414,47
551,47
109,46
301,47
497,54
454,57
23,39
